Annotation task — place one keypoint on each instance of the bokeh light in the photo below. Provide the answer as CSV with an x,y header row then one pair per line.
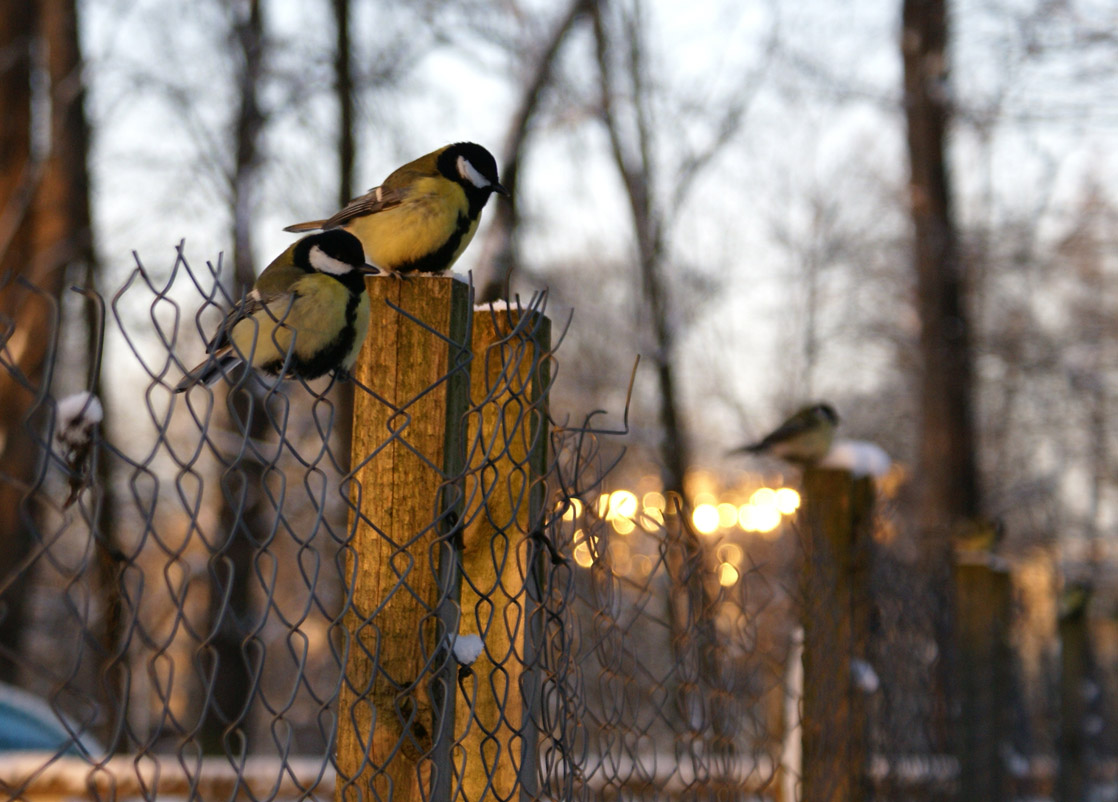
x,y
643,510
642,566
620,556
763,497
572,508
729,553
622,526
618,504
787,500
705,518
623,504
727,515
755,518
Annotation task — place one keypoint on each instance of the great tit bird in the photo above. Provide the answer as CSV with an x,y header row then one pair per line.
x,y
424,214
804,438
307,314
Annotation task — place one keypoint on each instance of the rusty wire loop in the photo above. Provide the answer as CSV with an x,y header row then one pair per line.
x,y
189,622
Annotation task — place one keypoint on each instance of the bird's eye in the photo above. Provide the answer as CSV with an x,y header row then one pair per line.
x,y
470,173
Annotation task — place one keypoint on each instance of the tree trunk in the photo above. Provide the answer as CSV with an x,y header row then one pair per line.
x,y
948,493
950,487
25,321
636,167
64,249
248,38
243,519
343,89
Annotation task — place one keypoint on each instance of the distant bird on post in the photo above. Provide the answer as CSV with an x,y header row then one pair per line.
x,y
805,438
423,216
307,315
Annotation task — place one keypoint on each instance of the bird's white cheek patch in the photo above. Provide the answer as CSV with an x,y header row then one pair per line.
x,y
328,264
470,173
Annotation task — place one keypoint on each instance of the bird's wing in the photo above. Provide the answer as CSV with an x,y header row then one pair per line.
x,y
790,428
253,302
375,200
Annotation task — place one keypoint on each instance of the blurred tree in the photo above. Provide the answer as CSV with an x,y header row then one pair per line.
x,y
229,670
948,489
25,320
45,240
501,257
64,248
633,114
344,93
949,477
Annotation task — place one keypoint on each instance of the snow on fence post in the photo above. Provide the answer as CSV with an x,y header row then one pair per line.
x,y
406,426
836,524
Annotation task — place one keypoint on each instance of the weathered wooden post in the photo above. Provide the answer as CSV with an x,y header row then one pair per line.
x,y
836,520
405,445
983,609
504,497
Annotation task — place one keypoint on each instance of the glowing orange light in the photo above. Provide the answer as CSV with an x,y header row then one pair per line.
x,y
622,526
705,518
573,509
727,515
729,553
763,497
727,575
622,504
786,500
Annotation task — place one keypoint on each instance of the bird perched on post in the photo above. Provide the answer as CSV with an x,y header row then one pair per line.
x,y
307,314
423,216
804,438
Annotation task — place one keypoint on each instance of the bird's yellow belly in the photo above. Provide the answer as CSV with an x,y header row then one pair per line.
x,y
303,327
400,237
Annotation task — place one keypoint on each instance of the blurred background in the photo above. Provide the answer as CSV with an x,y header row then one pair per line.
x,y
906,209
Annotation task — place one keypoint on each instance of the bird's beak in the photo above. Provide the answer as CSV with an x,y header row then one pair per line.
x,y
500,190
370,270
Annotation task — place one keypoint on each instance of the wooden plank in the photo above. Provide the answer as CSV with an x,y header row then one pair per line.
x,y
400,434
504,491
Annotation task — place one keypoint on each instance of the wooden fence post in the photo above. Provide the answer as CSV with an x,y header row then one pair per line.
x,y
504,494
836,519
983,607
403,452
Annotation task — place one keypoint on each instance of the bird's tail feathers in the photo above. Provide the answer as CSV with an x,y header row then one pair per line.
x,y
211,370
310,225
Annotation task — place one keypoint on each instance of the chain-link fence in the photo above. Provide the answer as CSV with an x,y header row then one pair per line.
x,y
212,597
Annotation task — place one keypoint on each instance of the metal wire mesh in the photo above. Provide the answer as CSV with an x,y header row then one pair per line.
x,y
194,623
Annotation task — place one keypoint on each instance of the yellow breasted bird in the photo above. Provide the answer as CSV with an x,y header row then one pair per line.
x,y
423,216
804,438
306,315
